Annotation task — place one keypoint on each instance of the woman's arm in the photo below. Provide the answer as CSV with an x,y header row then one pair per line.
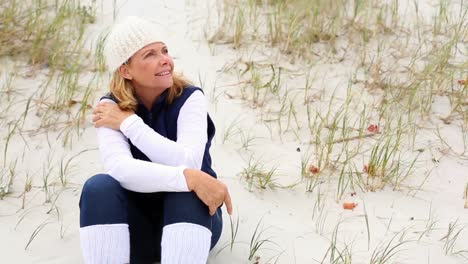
x,y
133,174
191,134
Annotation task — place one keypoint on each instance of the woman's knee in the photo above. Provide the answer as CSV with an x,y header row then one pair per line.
x,y
103,201
186,207
100,187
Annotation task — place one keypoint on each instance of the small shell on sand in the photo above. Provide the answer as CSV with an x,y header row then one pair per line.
x,y
349,206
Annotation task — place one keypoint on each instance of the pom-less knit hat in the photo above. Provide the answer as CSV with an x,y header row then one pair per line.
x,y
127,37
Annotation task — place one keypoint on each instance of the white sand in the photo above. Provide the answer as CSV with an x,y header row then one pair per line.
x,y
287,216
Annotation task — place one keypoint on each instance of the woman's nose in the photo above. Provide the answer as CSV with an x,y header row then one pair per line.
x,y
163,59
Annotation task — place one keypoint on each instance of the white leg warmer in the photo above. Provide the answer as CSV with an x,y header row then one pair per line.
x,y
105,244
185,243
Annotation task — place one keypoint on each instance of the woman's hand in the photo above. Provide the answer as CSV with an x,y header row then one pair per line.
x,y
109,115
211,191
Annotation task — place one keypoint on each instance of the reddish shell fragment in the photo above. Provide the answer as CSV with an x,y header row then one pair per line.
x,y
313,169
373,128
349,206
365,168
462,82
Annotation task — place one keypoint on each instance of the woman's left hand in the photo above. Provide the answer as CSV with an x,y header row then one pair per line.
x,y
109,115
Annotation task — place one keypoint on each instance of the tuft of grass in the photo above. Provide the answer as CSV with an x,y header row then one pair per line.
x,y
7,175
36,232
230,131
234,231
450,239
387,251
49,34
257,241
385,164
27,188
49,37
258,177
100,65
247,138
430,224
335,252
66,166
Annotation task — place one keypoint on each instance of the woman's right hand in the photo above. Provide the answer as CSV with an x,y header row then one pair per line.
x,y
211,191
109,115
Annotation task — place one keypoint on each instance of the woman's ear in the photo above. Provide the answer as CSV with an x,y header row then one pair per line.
x,y
125,72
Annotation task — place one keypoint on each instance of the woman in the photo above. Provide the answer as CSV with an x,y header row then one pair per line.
x,y
160,199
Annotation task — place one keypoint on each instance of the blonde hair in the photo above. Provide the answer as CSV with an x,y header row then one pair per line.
x,y
124,92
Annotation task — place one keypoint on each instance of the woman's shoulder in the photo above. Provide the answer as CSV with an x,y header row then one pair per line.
x,y
191,89
109,96
190,93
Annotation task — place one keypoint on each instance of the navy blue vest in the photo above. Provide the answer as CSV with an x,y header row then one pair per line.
x,y
163,119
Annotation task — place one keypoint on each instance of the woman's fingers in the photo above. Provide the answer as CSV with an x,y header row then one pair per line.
x,y
97,114
227,202
212,210
104,107
211,191
101,107
109,115
221,196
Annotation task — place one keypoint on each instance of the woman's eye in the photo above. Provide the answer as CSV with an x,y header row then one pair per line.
x,y
149,54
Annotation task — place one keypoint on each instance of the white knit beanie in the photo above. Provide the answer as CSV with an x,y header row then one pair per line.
x,y
127,37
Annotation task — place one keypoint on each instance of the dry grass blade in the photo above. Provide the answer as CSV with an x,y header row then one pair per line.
x,y
36,232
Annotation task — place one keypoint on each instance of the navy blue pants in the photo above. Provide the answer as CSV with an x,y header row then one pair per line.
x,y
104,201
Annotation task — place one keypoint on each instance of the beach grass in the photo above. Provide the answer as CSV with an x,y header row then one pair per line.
x,y
364,132
44,44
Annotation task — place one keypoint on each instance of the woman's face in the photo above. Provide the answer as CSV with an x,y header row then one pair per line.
x,y
151,67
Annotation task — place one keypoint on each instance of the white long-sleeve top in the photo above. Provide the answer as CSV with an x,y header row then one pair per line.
x,y
168,158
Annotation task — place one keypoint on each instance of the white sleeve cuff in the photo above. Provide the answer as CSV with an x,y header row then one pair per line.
x,y
183,182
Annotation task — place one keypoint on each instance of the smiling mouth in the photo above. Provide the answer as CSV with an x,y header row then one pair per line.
x,y
164,73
